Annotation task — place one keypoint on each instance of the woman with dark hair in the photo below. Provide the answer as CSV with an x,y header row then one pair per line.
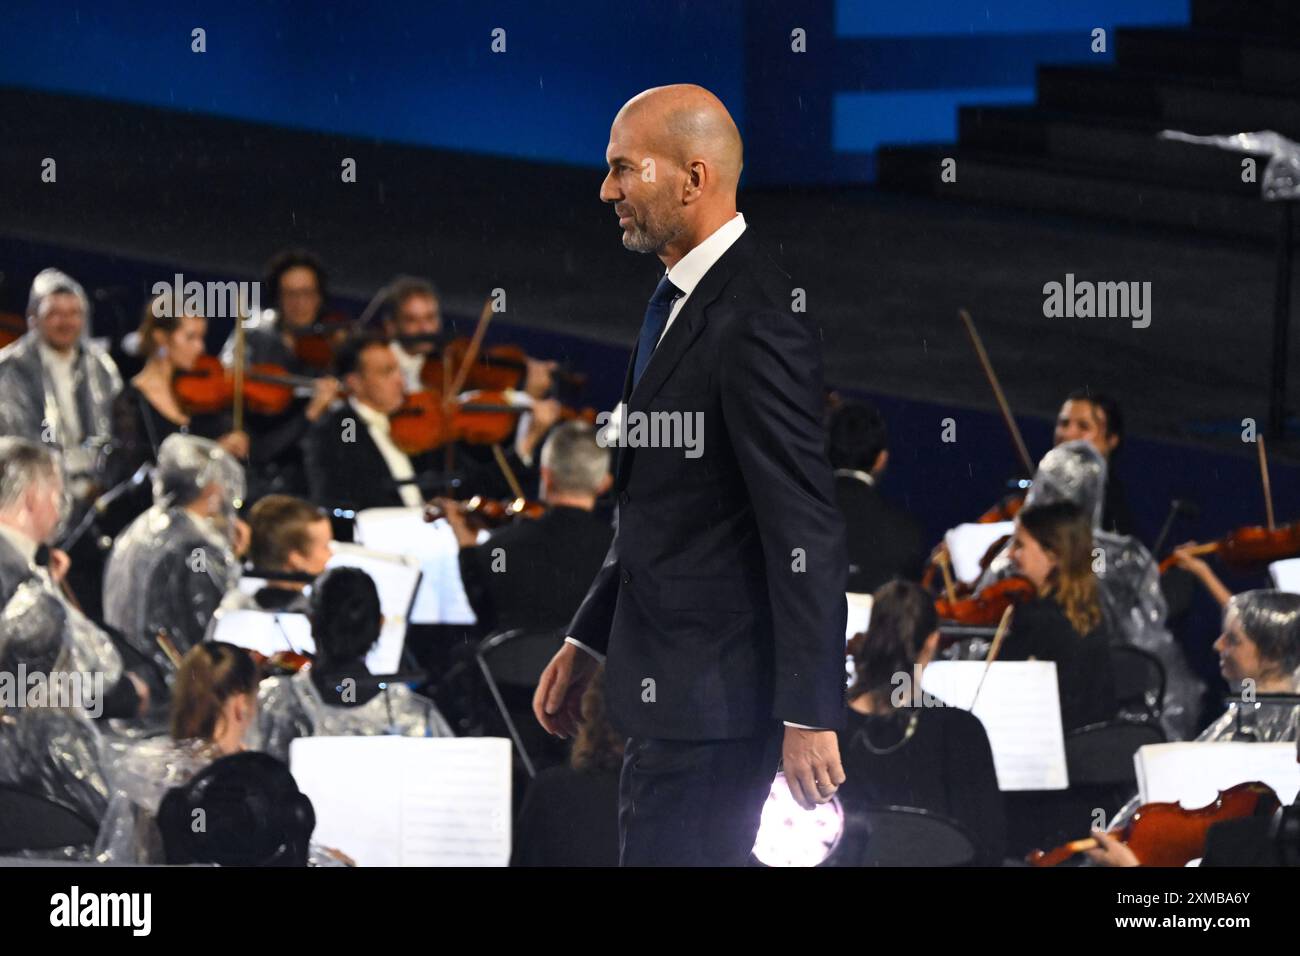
x,y
214,700
1096,418
1052,547
337,696
904,749
570,814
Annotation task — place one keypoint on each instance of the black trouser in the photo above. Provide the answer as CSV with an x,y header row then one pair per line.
x,y
694,802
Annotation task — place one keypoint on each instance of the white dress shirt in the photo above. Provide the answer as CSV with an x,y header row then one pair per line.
x,y
686,274
399,466
411,364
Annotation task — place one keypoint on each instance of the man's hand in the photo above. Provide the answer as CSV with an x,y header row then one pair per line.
x,y
466,536
811,760
558,701
323,392
59,565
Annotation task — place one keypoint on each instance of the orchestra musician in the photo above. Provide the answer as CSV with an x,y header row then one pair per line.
x,y
169,570
285,534
213,705
1052,547
56,385
1096,418
33,592
533,573
412,321
1259,655
884,540
337,696
296,282
720,610
1132,602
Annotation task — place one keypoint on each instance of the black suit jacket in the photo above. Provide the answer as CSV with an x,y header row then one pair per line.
x,y
349,474
720,605
547,565
884,541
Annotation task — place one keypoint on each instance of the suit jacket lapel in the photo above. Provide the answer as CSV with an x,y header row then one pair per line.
x,y
681,334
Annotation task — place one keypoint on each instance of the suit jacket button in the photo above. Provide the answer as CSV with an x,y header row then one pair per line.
x,y
624,497
627,578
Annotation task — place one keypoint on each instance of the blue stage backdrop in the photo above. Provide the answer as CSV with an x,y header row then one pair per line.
x,y
873,71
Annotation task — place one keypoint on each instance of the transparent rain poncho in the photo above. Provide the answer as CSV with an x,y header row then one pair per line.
x,y
291,707
28,402
1128,583
170,569
1281,179
48,746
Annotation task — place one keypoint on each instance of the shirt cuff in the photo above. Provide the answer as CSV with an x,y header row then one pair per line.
x,y
801,726
577,643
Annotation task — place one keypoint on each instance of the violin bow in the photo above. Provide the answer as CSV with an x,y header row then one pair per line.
x,y
1263,474
515,488
998,637
1012,427
945,568
237,406
471,353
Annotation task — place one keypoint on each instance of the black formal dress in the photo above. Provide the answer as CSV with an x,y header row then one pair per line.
x,y
1084,671
884,541
533,574
720,606
944,766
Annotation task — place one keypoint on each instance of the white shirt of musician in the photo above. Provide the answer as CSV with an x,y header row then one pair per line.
x,y
411,365
686,275
399,466
60,367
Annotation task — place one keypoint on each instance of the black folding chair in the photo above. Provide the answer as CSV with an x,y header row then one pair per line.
x,y
1101,755
1139,681
903,836
30,821
515,660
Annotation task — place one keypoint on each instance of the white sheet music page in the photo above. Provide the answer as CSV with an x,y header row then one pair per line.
x,y
967,544
409,801
441,598
1020,708
1193,773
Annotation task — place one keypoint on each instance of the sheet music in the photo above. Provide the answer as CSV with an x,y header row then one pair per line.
x,y
968,543
1193,773
409,801
267,632
441,597
1019,706
1286,575
859,614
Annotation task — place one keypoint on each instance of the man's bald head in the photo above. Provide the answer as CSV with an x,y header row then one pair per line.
x,y
687,122
674,157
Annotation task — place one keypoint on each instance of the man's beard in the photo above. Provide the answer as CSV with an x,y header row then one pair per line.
x,y
650,237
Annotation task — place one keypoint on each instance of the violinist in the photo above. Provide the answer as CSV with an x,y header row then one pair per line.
x,y
1052,547
884,540
1259,650
898,750
148,408
414,314
285,534
335,696
1128,579
296,282
1097,418
534,574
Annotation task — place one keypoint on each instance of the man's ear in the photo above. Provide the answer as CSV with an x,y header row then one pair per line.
x,y
882,460
604,485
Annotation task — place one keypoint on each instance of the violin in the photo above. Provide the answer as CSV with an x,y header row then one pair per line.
x,y
209,387
1248,547
281,662
986,608
12,328
427,421
494,368
1168,834
314,345
488,513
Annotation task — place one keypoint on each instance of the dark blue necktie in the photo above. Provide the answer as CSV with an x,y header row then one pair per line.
x,y
656,317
